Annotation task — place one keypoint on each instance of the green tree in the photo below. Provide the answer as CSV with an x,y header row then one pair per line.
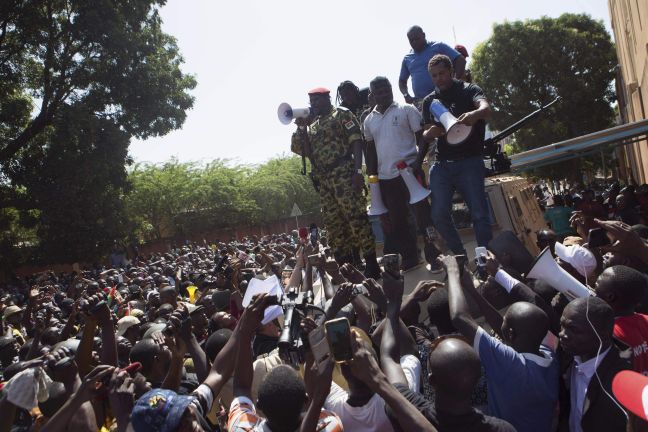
x,y
278,184
110,56
182,199
70,187
159,194
78,80
526,64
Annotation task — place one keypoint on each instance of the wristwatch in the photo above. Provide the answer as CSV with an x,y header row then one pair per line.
x,y
359,170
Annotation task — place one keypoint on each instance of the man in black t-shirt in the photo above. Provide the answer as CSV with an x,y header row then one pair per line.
x,y
461,166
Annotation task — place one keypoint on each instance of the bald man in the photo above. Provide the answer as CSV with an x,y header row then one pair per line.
x,y
454,371
522,374
587,325
415,64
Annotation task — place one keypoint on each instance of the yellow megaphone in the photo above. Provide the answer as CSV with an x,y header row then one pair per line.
x,y
192,293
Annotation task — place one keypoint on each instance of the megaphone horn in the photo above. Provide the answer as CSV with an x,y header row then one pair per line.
x,y
547,269
416,191
377,206
286,113
456,133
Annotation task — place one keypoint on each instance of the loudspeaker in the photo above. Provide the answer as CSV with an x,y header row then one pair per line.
x,y
456,133
286,113
377,206
416,191
547,269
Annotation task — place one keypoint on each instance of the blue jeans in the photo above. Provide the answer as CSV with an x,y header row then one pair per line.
x,y
467,177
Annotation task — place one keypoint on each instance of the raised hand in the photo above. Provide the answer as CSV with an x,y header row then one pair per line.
x,y
352,274
375,293
342,297
492,265
424,289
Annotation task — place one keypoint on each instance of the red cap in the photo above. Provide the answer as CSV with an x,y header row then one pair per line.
x,y
462,50
319,90
631,389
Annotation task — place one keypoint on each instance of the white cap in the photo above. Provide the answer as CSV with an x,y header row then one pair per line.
x,y
578,257
125,323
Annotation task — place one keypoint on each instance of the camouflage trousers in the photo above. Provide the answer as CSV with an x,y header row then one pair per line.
x,y
345,214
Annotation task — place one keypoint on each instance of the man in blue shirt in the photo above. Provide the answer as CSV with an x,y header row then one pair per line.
x,y
415,64
522,374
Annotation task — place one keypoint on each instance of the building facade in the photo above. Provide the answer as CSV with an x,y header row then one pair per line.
x,y
630,25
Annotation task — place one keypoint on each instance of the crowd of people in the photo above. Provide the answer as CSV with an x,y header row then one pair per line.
x,y
171,343
310,332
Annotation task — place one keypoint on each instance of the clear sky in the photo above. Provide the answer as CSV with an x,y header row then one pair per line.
x,y
248,56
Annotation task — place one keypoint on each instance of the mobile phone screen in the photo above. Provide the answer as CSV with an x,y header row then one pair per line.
x,y
338,333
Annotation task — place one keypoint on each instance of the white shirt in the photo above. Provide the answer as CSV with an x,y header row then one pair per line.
x,y
394,134
581,374
371,416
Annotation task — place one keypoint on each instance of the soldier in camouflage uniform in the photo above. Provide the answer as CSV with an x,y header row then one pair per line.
x,y
333,144
352,98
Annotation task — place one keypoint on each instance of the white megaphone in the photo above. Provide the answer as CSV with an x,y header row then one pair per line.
x,y
456,133
286,113
416,191
547,269
377,206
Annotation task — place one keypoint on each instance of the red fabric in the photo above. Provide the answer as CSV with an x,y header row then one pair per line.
x,y
319,90
632,330
628,387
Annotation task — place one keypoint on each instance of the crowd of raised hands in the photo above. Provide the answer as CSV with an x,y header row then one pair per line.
x,y
171,342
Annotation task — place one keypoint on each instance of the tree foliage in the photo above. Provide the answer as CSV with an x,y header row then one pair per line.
x,y
181,199
111,57
78,80
526,64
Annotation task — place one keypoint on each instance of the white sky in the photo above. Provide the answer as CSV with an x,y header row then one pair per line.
x,y
250,55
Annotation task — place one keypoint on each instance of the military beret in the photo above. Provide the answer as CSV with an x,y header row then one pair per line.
x,y
319,90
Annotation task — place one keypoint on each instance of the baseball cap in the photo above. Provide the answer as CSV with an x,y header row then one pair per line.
x,y
11,310
125,323
631,389
136,313
578,257
159,410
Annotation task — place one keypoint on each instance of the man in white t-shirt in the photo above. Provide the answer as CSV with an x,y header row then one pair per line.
x,y
361,409
394,139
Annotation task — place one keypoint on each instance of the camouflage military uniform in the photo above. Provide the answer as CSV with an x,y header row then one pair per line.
x,y
344,210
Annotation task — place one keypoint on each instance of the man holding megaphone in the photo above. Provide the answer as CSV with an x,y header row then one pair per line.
x,y
395,144
448,111
333,144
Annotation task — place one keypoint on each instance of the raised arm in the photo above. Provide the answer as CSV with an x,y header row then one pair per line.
x,y
365,368
493,317
459,310
250,320
389,342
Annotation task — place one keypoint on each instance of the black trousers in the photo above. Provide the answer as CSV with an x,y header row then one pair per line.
x,y
396,198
